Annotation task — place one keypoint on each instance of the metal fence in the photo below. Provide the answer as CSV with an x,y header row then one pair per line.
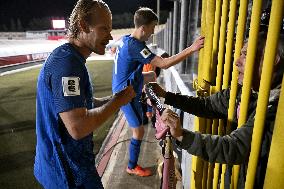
x,y
225,24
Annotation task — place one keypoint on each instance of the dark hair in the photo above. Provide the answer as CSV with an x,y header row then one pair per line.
x,y
280,54
264,20
83,10
279,69
144,16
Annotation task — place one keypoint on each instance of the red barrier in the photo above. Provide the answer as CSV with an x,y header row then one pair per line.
x,y
20,59
50,37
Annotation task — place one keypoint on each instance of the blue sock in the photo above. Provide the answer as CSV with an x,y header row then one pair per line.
x,y
149,108
134,151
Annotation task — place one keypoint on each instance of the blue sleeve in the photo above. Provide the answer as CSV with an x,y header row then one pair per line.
x,y
68,85
140,52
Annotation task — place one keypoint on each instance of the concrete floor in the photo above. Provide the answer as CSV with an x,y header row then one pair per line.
x,y
115,176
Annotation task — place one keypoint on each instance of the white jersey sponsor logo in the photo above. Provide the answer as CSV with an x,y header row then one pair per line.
x,y
71,86
145,53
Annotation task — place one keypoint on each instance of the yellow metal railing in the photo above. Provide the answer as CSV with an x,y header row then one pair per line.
x,y
249,68
216,36
208,44
200,123
264,89
221,15
234,82
228,63
229,43
220,41
275,166
207,75
251,52
221,52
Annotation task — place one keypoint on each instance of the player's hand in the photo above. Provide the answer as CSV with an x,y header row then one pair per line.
x,y
172,120
126,95
197,44
157,89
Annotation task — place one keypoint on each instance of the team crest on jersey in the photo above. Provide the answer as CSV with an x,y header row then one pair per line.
x,y
145,53
71,86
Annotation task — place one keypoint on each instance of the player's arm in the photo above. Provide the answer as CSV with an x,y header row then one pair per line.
x,y
101,101
165,63
80,122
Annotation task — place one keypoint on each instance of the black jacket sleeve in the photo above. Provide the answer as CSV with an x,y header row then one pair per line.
x,y
233,148
214,106
229,149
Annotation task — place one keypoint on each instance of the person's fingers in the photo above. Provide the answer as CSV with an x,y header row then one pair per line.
x,y
174,114
165,118
169,123
172,120
171,113
201,40
201,37
198,38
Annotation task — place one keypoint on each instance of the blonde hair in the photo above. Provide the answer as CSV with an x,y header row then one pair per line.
x,y
83,10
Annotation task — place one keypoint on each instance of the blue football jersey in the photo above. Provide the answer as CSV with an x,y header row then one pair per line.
x,y
63,84
130,57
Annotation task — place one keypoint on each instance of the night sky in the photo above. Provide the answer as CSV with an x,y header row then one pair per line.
x,y
25,10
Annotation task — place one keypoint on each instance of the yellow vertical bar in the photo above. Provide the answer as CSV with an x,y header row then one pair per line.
x,y
215,40
201,52
218,165
275,165
227,64
197,167
264,89
194,158
213,172
238,46
207,63
207,176
234,82
221,53
229,43
210,175
251,52
222,42
208,44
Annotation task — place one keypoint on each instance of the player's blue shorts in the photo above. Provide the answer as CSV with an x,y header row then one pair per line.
x,y
133,113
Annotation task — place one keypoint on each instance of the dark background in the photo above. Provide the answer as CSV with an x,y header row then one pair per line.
x,y
22,15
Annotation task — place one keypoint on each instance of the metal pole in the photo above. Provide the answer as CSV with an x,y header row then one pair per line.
x,y
170,33
208,45
165,36
175,27
200,123
234,82
183,28
191,63
275,165
251,52
249,69
158,11
262,101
